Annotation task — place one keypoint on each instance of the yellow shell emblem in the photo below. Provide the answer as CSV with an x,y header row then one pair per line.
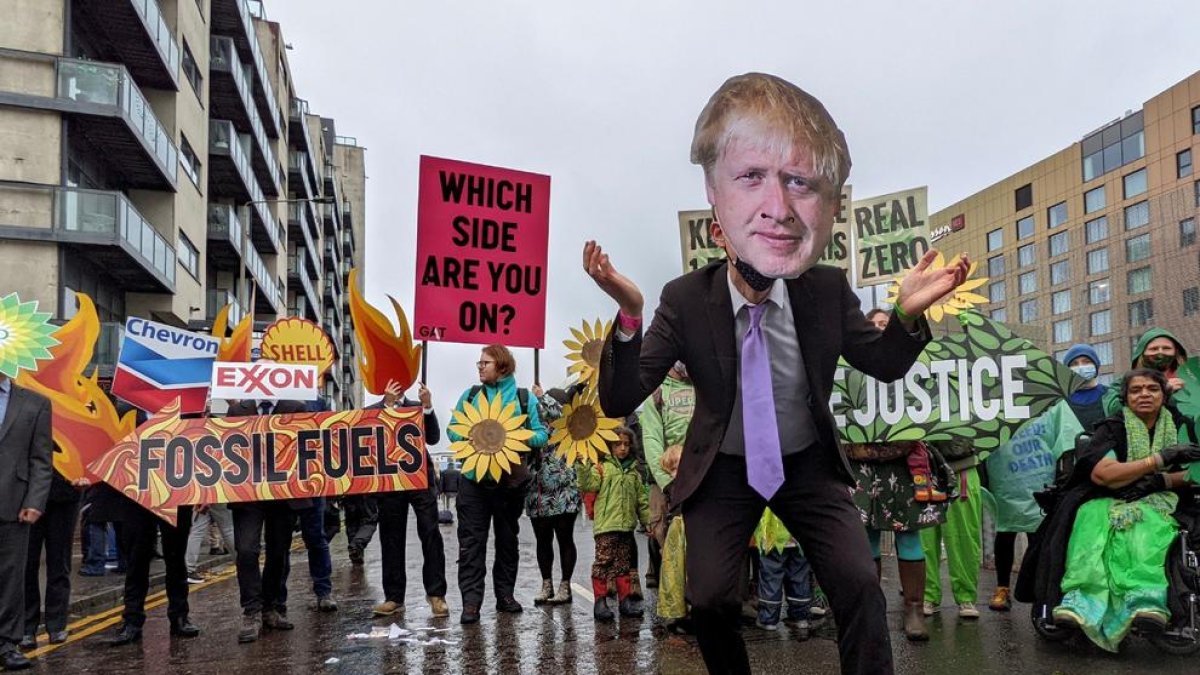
x,y
298,341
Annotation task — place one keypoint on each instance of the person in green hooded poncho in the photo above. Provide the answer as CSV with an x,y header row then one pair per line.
x,y
1159,349
1115,572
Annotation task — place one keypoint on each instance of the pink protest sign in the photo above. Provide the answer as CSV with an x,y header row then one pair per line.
x,y
482,237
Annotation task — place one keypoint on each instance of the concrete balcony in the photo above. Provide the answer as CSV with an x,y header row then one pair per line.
x,y
106,107
216,298
299,225
226,232
100,223
298,272
230,98
134,33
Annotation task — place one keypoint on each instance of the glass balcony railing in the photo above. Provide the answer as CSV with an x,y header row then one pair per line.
x,y
224,223
100,212
216,298
223,139
224,58
264,82
159,31
110,84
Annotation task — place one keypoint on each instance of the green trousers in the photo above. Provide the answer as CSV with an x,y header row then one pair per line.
x,y
1112,575
963,536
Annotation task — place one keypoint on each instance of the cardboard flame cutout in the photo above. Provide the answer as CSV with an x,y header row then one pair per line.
x,y
85,423
384,354
237,347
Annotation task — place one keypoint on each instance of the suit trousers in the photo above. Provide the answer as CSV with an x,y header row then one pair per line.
x,y
138,539
393,541
14,547
815,505
254,523
478,507
362,517
54,532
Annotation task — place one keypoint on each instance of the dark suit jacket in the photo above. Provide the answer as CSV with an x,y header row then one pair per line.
x,y
250,409
26,453
694,323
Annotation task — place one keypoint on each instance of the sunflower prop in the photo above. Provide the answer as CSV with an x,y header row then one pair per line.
x,y
493,435
26,335
959,300
585,351
583,432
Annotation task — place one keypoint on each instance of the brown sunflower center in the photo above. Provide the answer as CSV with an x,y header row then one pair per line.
x,y
582,423
591,351
487,437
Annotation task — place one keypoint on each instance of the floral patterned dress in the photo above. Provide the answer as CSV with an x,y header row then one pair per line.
x,y
884,495
553,490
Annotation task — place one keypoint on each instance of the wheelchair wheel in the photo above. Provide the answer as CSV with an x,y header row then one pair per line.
x,y
1046,628
1174,644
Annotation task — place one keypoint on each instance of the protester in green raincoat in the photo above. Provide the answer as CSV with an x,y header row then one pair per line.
x,y
1116,555
1160,350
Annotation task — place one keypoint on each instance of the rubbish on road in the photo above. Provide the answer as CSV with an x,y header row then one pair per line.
x,y
395,631
404,635
332,660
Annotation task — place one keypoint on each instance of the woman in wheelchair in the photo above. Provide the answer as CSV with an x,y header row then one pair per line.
x,y
1115,565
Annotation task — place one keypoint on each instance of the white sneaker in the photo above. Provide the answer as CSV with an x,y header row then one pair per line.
x,y
967,611
929,609
767,626
195,579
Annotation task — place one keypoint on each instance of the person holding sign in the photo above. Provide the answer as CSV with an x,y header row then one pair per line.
x,y
762,335
483,498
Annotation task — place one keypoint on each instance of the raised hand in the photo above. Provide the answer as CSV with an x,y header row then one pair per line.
x,y
923,286
391,393
424,395
616,285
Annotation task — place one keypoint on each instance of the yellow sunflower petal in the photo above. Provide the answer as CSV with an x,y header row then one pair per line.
x,y
501,460
463,430
972,297
606,422
935,312
512,457
938,262
471,464
515,445
580,337
507,411
971,284
558,436
482,466
521,434
951,310
472,411
607,435
494,469
572,345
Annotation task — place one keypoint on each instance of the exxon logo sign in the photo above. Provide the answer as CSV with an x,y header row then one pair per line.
x,y
264,381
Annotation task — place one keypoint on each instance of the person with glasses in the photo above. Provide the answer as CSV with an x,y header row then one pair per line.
x,y
483,502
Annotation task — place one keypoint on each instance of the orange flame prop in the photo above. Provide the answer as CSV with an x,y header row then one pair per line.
x,y
120,467
85,423
235,348
384,354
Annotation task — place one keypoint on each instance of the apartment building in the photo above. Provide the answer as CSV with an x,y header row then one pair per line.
x,y
156,155
1097,242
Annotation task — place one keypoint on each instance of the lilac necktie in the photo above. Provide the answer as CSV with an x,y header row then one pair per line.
x,y
764,457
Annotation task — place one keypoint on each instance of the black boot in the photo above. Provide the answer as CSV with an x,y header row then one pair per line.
x,y
126,635
630,607
601,612
184,628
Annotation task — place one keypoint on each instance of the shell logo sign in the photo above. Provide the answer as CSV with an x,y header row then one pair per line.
x,y
297,341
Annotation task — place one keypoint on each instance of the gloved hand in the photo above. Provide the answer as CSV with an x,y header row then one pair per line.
x,y
1177,455
1143,487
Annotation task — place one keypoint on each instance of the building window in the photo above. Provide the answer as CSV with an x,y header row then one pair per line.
x,y
1135,184
1137,248
1025,255
996,266
1062,331
1141,312
1060,302
995,239
1098,292
999,314
1113,146
1093,200
1104,351
1029,311
191,70
1183,164
1191,301
1187,232
1196,193
188,256
1097,230
188,160
1139,280
996,291
1027,283
1101,322
1060,243
1137,215
1060,272
1056,215
1196,120
1025,228
1097,261
1024,197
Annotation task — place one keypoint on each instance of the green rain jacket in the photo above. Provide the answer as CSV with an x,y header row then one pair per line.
x,y
665,418
622,500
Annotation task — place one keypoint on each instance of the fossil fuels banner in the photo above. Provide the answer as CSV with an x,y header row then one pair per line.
x,y
169,462
981,384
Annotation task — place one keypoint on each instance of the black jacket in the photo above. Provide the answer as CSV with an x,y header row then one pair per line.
x,y
433,433
249,408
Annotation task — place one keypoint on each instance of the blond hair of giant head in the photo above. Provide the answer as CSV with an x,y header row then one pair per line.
x,y
775,114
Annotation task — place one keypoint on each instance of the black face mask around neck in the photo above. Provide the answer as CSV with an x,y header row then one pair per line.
x,y
753,278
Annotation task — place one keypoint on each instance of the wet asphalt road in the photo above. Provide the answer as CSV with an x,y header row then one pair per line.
x,y
560,639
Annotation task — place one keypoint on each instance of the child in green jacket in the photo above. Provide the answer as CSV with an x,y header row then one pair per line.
x,y
621,503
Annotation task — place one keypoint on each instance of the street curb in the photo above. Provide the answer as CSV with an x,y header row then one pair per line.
x,y
114,595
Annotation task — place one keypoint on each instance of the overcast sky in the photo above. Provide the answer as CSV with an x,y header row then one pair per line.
x,y
603,98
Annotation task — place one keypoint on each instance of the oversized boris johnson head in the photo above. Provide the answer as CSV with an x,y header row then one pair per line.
x,y
774,165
